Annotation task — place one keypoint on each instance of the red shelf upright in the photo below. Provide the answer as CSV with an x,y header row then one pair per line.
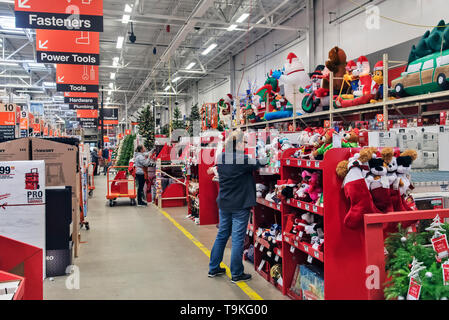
x,y
6,277
208,188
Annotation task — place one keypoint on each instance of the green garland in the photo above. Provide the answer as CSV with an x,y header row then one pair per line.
x,y
127,150
402,247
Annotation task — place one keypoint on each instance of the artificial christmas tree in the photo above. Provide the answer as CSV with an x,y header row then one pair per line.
x,y
146,127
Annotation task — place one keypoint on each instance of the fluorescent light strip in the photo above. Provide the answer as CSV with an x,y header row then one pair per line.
x,y
120,41
14,76
11,64
128,8
168,87
115,61
209,49
111,85
190,66
125,18
112,75
232,27
243,17
176,79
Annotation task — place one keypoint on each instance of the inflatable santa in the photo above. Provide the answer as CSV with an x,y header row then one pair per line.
x,y
294,77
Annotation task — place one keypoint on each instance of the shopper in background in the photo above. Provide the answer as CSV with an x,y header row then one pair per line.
x,y
105,156
141,162
95,159
236,197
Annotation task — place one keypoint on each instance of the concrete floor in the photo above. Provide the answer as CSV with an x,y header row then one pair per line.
x,y
137,253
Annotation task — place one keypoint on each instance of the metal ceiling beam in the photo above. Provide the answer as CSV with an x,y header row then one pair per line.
x,y
199,10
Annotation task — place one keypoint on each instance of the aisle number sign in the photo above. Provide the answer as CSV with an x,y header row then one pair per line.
x,y
77,78
68,47
82,15
7,121
81,98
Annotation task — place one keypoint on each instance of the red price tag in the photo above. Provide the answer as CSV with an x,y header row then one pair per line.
x,y
414,290
440,246
380,117
445,268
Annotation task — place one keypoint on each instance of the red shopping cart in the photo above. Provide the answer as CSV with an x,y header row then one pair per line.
x,y
122,186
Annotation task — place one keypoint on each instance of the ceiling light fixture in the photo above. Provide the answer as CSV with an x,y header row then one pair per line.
x,y
120,41
11,64
49,84
209,49
128,8
112,75
232,27
115,61
111,85
176,79
166,88
243,17
125,18
191,65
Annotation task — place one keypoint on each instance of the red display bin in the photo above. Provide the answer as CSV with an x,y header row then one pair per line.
x,y
25,261
5,277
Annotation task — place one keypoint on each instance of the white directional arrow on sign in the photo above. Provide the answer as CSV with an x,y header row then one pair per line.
x,y
23,4
43,45
61,79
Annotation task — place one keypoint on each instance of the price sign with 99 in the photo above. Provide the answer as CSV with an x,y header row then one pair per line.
x,y
5,170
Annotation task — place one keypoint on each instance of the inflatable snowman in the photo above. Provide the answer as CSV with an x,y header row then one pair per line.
x,y
293,78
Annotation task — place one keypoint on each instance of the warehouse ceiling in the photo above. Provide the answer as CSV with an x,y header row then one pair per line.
x,y
166,57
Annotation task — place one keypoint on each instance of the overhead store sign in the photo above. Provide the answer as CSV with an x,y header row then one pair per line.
x,y
83,107
77,78
110,116
80,98
87,114
88,123
24,121
7,121
68,47
82,15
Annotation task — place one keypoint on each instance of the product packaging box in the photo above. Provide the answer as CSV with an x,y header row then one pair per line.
x,y
61,165
312,282
419,162
430,159
430,142
382,139
409,140
15,150
443,153
22,202
58,261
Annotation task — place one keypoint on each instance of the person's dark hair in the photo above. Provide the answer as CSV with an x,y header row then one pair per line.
x,y
233,139
139,148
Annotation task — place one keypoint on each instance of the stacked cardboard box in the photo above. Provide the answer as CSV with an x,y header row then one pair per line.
x,y
61,167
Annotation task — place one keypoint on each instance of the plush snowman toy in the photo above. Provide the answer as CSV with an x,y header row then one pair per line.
x,y
294,77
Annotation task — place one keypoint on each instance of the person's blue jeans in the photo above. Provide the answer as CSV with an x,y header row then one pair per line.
x,y
235,222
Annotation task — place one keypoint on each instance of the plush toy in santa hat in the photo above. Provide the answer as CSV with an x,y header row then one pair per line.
x,y
377,86
225,116
356,189
294,77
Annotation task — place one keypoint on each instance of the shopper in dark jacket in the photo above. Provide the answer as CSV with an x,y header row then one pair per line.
x,y
105,156
237,195
141,162
95,159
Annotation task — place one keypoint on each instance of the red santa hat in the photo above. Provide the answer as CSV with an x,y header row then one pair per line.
x,y
351,66
362,60
292,57
379,66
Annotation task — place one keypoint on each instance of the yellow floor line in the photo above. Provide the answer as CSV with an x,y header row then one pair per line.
x,y
242,285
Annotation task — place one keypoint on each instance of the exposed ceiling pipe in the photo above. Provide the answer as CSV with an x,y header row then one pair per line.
x,y
199,10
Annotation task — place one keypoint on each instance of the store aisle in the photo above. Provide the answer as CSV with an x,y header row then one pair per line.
x,y
137,253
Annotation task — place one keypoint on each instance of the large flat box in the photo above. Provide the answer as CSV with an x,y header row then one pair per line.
x,y
312,282
410,140
61,162
443,152
382,139
429,141
22,202
15,150
430,159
